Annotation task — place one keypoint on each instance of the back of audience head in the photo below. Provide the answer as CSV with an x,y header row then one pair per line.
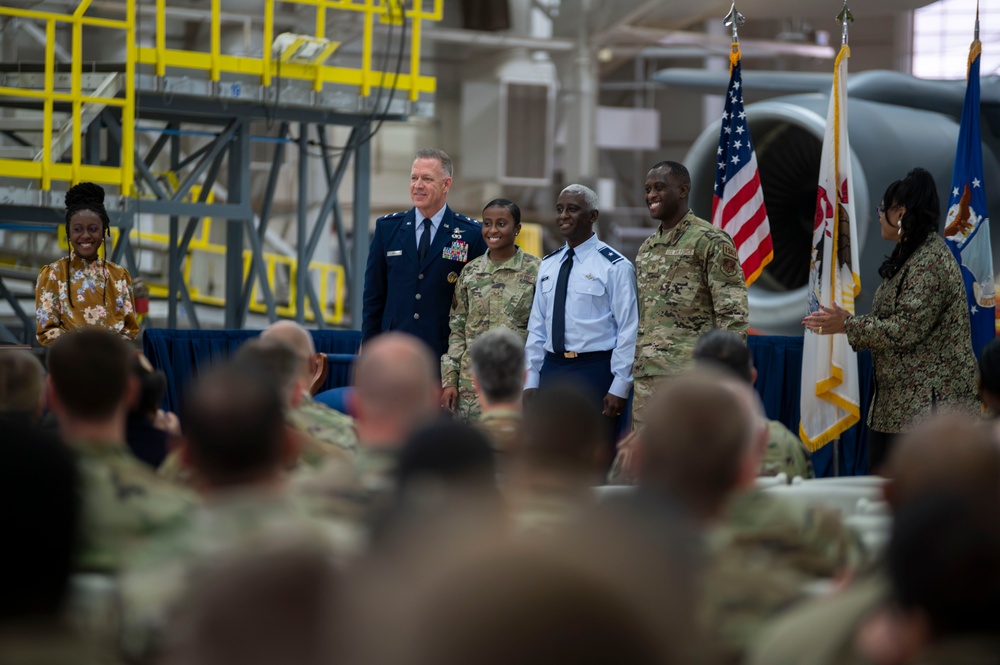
x,y
497,359
396,388
300,341
278,360
22,381
562,433
40,513
152,387
702,441
946,453
271,606
944,563
234,428
724,349
989,376
90,376
517,603
446,453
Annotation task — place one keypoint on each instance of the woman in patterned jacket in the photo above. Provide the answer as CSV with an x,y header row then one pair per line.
x,y
83,289
918,329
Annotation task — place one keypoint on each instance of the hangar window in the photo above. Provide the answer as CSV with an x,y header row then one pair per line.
x,y
942,32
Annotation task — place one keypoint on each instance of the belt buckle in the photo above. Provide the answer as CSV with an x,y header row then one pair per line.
x,y
570,354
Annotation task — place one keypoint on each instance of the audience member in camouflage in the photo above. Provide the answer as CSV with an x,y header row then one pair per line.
x,y
826,631
501,425
234,436
689,281
549,477
493,291
315,419
702,445
785,453
396,390
124,503
496,360
809,538
743,588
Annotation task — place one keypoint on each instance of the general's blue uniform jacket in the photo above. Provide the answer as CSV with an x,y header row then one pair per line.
x,y
416,299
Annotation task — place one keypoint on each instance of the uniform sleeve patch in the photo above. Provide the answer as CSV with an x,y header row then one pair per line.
x,y
730,260
611,255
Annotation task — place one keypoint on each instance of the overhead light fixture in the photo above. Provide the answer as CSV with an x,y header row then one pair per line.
x,y
302,49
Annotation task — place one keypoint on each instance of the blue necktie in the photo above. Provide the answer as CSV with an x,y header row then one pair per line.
x,y
425,241
559,310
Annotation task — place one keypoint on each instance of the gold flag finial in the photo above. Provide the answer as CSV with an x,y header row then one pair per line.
x,y
844,18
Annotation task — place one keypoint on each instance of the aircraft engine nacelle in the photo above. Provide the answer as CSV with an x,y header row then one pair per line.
x,y
886,141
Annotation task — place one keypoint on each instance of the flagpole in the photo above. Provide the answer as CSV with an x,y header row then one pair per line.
x,y
844,18
734,19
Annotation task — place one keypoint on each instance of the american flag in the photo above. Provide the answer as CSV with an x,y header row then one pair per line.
x,y
738,204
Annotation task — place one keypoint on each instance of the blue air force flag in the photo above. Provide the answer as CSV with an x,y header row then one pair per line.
x,y
967,229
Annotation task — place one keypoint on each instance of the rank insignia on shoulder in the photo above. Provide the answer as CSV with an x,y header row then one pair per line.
x,y
551,254
611,255
452,277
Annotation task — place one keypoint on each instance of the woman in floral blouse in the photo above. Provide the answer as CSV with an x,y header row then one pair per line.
x,y
918,329
83,289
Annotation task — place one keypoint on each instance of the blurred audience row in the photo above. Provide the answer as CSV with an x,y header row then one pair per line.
x,y
258,526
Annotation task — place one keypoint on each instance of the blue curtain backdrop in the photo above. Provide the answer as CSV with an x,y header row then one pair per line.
x,y
182,354
779,380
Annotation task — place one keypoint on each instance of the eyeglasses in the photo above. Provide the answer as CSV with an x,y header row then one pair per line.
x,y
879,210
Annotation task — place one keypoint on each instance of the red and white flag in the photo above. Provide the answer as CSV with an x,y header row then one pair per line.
x,y
831,399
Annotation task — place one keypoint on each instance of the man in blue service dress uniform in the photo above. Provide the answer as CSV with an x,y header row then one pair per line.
x,y
415,258
585,315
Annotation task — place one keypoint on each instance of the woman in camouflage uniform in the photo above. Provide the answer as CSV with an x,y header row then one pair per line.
x,y
918,329
494,290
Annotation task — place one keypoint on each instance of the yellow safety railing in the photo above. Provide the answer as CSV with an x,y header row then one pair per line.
x,y
215,63
46,169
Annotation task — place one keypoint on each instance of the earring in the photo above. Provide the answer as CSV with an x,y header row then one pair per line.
x,y
899,230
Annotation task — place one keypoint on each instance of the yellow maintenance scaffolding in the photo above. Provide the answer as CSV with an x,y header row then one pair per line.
x,y
213,63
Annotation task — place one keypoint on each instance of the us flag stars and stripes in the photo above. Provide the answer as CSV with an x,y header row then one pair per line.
x,y
738,204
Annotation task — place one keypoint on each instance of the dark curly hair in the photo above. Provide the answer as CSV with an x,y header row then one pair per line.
x,y
86,196
917,193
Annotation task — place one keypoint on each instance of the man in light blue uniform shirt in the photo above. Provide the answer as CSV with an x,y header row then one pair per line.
x,y
585,314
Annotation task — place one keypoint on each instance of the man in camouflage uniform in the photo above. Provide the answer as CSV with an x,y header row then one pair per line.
x,y
785,452
701,446
396,391
124,503
328,427
689,281
826,631
234,437
323,432
497,366
488,296
549,478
